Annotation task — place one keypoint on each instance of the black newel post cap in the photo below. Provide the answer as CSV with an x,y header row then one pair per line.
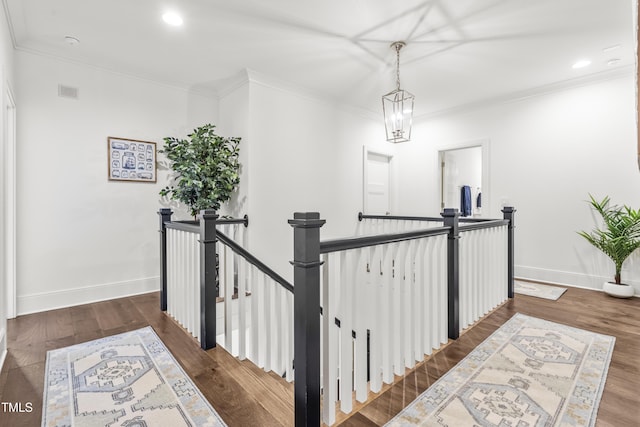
x,y
306,220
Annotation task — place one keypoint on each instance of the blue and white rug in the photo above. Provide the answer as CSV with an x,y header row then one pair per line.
x,y
128,380
530,372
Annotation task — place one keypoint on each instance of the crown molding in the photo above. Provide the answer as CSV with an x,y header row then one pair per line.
x,y
196,90
620,72
7,16
304,92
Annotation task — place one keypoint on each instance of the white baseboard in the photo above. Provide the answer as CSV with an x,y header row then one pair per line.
x,y
567,278
44,301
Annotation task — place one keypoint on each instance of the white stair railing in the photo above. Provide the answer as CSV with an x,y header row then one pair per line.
x,y
386,300
390,301
183,277
385,305
258,318
483,262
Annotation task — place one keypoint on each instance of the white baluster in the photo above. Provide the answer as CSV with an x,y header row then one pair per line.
x,y
375,320
409,296
190,285
420,308
254,352
242,308
171,254
442,292
387,313
329,342
360,304
347,274
268,323
289,324
196,286
277,364
263,328
396,338
228,299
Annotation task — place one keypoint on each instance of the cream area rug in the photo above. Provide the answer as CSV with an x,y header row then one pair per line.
x,y
530,372
538,290
127,380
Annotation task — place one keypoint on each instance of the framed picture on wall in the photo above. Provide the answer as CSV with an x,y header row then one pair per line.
x,y
131,160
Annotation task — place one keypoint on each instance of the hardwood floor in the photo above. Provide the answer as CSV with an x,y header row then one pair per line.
x,y
244,395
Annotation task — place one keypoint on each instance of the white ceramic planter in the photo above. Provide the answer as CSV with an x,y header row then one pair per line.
x,y
618,291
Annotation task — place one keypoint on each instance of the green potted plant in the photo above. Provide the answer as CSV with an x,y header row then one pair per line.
x,y
206,168
618,239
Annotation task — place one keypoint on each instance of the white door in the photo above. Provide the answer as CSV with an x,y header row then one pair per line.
x,y
377,184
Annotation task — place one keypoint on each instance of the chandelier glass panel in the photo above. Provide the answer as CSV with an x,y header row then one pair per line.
x,y
397,107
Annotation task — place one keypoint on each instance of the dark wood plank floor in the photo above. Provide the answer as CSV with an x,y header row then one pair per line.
x,y
244,395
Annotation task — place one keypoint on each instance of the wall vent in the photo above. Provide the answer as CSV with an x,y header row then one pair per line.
x,y
67,92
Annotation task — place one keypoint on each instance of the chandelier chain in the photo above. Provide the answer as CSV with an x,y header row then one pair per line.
x,y
398,47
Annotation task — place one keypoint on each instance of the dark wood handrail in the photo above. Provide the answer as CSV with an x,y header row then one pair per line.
x,y
362,216
485,224
188,226
364,241
254,261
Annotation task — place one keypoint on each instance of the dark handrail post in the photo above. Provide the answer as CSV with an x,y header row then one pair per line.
x,y
509,214
208,295
165,216
453,271
306,316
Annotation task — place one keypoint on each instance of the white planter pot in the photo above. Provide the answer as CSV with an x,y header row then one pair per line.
x,y
618,291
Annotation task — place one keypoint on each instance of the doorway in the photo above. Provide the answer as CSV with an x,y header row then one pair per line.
x,y
461,179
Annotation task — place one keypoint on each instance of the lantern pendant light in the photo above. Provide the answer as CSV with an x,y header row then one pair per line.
x,y
397,106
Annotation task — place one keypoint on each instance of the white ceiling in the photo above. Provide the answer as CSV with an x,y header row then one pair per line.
x,y
458,51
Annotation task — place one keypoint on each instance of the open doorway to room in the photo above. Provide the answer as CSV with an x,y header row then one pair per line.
x,y
462,179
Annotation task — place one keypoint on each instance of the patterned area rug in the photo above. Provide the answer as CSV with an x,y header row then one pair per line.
x,y
128,380
530,372
538,290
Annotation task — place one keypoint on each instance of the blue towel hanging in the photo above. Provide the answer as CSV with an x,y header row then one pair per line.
x,y
465,200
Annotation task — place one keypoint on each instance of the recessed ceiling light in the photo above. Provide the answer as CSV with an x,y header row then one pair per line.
x,y
581,64
610,48
73,41
613,61
172,19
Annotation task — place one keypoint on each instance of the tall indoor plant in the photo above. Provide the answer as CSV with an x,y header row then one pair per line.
x,y
206,168
618,239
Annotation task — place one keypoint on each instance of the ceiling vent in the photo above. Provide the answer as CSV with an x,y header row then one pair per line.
x,y
67,92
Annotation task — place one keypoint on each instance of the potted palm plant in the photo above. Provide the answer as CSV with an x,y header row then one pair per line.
x,y
618,239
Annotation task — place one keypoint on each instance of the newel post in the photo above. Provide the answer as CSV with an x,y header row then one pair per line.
x,y
509,214
165,216
453,271
306,316
208,295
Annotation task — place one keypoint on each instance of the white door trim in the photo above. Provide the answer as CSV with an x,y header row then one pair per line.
x,y
10,199
486,181
365,173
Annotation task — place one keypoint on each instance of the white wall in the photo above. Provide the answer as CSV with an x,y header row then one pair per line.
x,y
7,157
548,152
300,153
6,83
81,237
